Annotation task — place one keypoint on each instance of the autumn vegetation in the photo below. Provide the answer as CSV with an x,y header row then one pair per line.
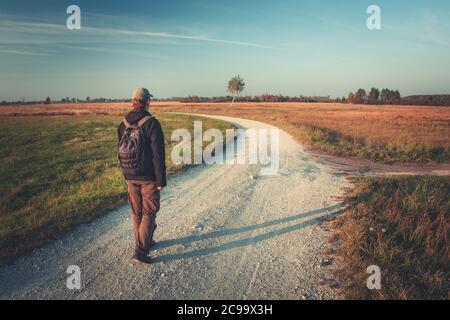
x,y
400,224
361,96
385,133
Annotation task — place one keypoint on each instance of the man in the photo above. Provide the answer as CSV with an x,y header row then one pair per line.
x,y
142,159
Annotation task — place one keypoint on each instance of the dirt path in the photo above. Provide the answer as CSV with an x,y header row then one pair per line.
x,y
224,233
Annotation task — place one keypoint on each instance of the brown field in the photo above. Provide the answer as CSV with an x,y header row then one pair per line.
x,y
385,133
392,124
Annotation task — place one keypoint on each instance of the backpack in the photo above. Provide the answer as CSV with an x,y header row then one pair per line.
x,y
132,146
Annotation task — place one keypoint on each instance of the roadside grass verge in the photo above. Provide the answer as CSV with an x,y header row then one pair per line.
x,y
400,224
61,171
342,145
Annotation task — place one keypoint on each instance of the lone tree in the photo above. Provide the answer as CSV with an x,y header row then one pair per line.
x,y
48,100
235,86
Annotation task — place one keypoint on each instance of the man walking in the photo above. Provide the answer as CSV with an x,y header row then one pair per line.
x,y
142,159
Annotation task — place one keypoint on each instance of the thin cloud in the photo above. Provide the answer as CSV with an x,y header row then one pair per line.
x,y
25,53
176,36
52,29
112,50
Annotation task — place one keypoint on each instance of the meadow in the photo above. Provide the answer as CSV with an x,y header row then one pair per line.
x,y
59,171
386,133
380,133
399,223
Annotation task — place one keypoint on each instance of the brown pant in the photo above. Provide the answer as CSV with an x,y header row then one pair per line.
x,y
144,199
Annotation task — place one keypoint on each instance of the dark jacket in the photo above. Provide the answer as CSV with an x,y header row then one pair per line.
x,y
155,169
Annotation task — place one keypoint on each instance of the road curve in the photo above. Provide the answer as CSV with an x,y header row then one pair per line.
x,y
224,233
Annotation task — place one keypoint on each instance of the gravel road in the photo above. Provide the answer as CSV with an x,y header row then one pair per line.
x,y
225,232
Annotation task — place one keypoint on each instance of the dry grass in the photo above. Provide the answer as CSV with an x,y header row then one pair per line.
x,y
106,108
380,133
402,225
385,133
399,125
64,109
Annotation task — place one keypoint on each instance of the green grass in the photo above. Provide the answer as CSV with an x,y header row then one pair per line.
x,y
61,171
401,225
339,144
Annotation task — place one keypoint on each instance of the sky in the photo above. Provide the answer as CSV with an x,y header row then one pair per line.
x,y
193,47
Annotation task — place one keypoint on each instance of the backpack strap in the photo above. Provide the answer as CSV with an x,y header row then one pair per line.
x,y
139,124
125,122
144,121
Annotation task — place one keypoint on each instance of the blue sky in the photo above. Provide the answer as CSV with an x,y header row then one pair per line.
x,y
192,47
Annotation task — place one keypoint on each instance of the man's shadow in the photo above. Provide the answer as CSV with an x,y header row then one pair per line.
x,y
336,209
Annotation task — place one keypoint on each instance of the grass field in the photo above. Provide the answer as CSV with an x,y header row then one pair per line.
x,y
61,171
413,211
380,133
401,225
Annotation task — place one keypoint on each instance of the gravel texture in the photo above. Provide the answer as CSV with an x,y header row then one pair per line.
x,y
225,232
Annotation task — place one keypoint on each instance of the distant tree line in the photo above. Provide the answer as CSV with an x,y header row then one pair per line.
x,y
387,96
375,96
260,98
428,100
48,100
88,99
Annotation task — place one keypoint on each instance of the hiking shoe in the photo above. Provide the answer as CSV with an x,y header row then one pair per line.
x,y
141,259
